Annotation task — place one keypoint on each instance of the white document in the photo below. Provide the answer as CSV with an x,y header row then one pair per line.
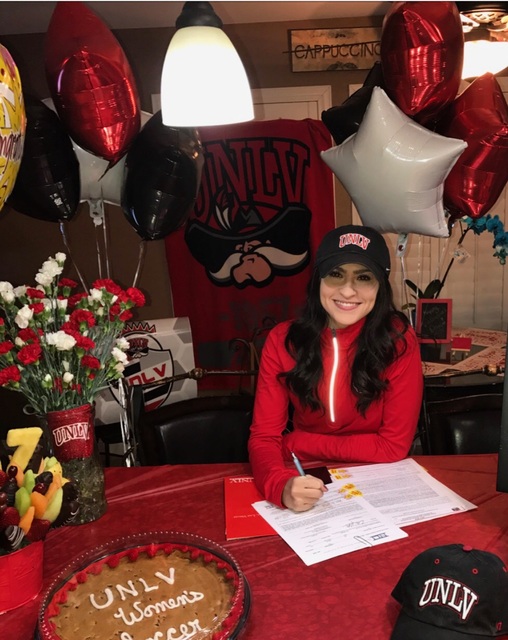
x,y
339,523
402,491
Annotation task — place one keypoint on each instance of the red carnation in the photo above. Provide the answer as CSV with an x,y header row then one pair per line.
x,y
37,307
6,346
28,335
70,330
114,311
82,315
90,362
30,353
136,296
9,374
76,298
84,342
125,316
109,285
122,297
35,293
67,282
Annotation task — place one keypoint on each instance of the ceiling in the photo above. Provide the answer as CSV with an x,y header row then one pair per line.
x,y
34,17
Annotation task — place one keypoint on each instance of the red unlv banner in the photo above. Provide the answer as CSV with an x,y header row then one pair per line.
x,y
244,258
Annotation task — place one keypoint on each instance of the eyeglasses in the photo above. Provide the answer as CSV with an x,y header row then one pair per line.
x,y
359,280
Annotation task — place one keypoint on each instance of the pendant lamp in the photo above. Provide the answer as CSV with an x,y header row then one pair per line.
x,y
203,79
483,54
485,27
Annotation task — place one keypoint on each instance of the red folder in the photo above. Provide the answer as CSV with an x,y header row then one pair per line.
x,y
242,520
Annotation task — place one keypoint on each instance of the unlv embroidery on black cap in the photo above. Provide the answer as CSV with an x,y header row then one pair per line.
x,y
449,593
354,238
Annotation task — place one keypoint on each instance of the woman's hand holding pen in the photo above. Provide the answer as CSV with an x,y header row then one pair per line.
x,y
302,492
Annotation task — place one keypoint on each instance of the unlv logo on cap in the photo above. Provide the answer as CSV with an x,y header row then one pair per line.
x,y
450,593
354,238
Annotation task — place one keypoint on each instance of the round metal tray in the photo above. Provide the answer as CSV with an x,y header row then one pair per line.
x,y
135,540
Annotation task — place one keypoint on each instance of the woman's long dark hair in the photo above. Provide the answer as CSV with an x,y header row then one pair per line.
x,y
379,343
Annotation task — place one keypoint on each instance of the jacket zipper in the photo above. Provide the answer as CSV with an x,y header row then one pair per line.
x,y
331,390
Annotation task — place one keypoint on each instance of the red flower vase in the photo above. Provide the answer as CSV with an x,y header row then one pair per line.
x,y
71,436
20,576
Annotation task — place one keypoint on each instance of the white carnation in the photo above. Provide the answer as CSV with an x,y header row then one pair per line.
x,y
119,355
123,344
61,340
23,317
67,377
20,291
51,268
44,278
95,296
7,291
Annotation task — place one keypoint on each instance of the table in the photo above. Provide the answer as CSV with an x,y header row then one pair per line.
x,y
489,349
350,593
444,381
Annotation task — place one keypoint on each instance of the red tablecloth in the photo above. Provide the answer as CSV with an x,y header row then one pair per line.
x,y
348,595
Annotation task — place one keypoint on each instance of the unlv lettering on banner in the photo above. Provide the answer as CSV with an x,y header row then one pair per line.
x,y
266,200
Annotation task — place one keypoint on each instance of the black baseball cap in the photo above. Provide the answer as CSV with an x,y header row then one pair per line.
x,y
353,244
453,592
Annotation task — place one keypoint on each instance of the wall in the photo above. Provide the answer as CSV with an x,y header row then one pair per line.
x,y
25,242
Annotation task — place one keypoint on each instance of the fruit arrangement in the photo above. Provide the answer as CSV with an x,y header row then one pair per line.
x,y
34,495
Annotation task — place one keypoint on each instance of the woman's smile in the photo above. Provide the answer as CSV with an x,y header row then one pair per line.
x,y
348,293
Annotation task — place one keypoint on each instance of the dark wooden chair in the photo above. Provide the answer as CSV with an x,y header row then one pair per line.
x,y
462,425
206,429
164,435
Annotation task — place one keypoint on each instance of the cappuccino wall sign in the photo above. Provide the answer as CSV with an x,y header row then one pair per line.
x,y
334,49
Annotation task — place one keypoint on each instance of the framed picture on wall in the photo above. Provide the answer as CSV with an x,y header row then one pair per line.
x,y
434,320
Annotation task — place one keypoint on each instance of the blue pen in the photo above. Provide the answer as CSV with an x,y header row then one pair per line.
x,y
298,465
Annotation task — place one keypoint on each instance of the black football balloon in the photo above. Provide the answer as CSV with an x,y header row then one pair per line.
x,y
344,120
47,186
161,178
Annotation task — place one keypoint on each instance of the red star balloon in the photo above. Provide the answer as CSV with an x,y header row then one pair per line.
x,y
479,115
91,82
422,50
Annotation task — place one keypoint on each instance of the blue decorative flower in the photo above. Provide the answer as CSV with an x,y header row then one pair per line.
x,y
496,227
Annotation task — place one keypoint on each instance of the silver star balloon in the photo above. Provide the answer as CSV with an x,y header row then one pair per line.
x,y
394,170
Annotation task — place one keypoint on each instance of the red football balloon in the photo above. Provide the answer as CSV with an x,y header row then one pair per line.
x,y
479,116
422,50
91,82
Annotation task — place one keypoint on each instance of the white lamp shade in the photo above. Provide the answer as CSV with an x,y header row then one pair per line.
x,y
484,56
203,80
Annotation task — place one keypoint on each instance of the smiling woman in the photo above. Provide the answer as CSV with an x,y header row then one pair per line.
x,y
349,368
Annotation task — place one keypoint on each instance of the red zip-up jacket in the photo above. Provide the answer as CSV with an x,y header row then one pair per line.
x,y
340,434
